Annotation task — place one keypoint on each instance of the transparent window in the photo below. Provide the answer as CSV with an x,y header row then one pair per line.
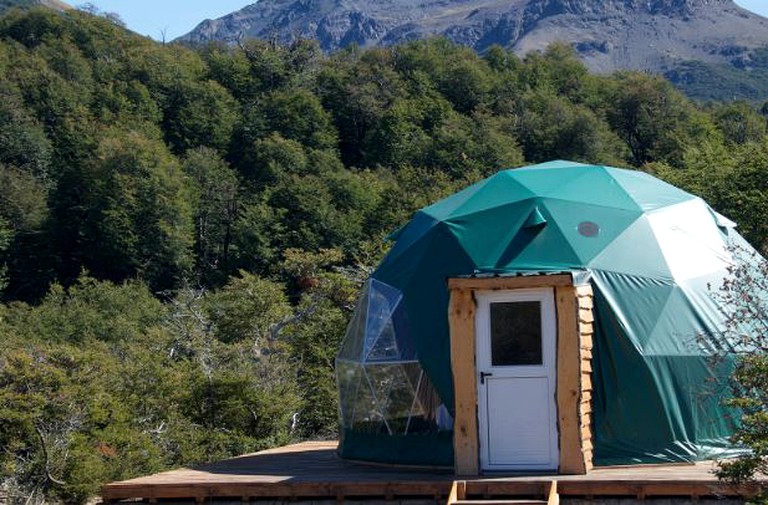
x,y
516,333
382,387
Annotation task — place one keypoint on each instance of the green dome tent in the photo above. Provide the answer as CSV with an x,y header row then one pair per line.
x,y
651,253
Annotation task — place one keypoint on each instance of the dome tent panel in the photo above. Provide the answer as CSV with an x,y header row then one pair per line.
x,y
588,229
384,392
650,379
353,346
625,255
416,230
361,409
683,228
637,323
484,195
657,397
489,240
576,185
545,247
649,192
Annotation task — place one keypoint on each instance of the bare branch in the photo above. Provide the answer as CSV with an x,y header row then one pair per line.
x,y
311,308
48,475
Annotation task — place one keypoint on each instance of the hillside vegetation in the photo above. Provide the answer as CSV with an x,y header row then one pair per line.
x,y
183,233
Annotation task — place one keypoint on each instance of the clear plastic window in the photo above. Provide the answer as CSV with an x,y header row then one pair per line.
x,y
382,387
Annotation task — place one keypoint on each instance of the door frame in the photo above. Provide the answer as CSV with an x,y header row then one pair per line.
x,y
573,307
547,369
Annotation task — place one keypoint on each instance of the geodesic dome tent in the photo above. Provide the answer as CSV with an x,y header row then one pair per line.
x,y
651,253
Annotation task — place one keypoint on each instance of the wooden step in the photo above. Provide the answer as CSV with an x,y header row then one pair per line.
x,y
501,501
459,496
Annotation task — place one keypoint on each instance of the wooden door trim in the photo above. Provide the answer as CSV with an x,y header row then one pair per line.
x,y
548,313
573,306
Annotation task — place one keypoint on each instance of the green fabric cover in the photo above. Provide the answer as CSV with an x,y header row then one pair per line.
x,y
417,450
650,250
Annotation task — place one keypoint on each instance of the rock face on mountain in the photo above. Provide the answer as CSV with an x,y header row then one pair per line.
x,y
651,35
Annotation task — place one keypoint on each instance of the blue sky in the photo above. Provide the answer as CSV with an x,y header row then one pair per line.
x,y
174,17
177,17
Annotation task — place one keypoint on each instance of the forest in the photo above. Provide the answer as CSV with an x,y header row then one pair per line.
x,y
183,231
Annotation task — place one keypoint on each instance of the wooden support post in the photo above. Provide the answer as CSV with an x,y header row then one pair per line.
x,y
553,498
461,316
569,380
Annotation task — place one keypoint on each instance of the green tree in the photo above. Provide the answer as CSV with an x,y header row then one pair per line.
x,y
298,115
24,211
23,199
324,210
402,136
141,212
314,333
457,72
199,114
739,122
267,159
470,148
23,142
215,202
257,233
744,293
249,309
557,70
87,311
358,88
552,127
656,121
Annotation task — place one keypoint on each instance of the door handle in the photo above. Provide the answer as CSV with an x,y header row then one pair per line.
x,y
483,375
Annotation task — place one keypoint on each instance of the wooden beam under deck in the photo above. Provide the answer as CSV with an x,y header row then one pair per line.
x,y
312,470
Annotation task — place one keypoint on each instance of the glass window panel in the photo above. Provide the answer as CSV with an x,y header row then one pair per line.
x,y
366,412
352,348
516,333
349,377
384,348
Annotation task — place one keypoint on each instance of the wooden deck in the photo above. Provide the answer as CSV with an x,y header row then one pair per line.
x,y
312,470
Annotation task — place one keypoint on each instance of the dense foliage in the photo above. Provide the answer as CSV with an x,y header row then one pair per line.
x,y
743,77
745,293
183,233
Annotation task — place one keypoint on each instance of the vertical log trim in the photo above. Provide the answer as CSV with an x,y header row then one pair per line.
x,y
461,316
569,381
586,330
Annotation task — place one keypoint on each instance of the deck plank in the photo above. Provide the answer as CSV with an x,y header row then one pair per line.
x,y
313,470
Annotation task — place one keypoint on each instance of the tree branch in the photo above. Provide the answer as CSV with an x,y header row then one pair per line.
x,y
48,475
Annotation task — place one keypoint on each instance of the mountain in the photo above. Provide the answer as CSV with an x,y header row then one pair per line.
x,y
53,4
687,40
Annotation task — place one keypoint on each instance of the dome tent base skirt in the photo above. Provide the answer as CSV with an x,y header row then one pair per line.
x,y
427,450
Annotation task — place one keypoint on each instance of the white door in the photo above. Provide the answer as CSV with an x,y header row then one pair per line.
x,y
516,334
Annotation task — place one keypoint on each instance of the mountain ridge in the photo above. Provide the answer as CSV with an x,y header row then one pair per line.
x,y
648,35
